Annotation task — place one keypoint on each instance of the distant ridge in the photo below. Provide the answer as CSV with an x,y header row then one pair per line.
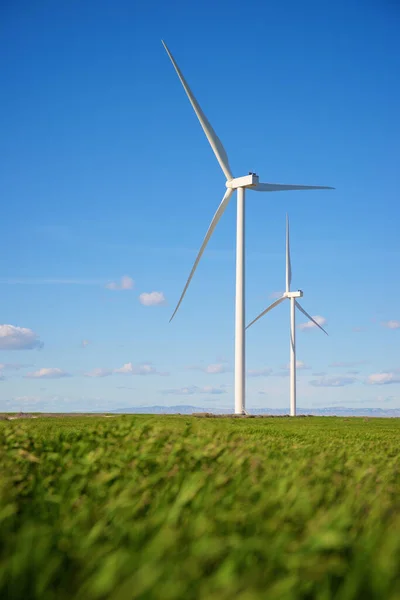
x,y
329,411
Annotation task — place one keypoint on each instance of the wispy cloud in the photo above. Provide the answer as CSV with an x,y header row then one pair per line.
x,y
384,378
85,343
12,366
125,387
264,372
143,369
300,365
339,381
126,369
47,373
391,324
387,399
50,281
152,299
212,369
285,370
18,338
18,401
194,390
354,363
98,372
310,325
212,254
126,283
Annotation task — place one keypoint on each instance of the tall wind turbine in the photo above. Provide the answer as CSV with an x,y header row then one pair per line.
x,y
293,305
240,184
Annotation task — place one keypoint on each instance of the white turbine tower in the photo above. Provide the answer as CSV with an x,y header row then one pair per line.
x,y
240,184
293,305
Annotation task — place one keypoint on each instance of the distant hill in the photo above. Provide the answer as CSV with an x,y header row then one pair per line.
x,y
329,411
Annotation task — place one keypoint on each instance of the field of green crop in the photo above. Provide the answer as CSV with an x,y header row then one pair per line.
x,y
151,507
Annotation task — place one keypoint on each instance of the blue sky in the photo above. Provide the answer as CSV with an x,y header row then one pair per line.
x,y
105,173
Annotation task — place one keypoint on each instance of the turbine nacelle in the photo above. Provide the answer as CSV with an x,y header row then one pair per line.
x,y
298,294
247,181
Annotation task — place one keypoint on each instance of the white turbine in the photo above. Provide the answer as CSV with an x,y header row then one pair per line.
x,y
293,305
240,184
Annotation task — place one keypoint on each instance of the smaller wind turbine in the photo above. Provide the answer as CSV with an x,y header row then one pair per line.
x,y
293,305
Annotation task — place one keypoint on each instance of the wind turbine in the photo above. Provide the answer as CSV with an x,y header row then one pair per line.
x,y
293,305
240,184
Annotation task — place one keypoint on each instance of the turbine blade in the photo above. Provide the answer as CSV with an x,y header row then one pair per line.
x,y
288,262
309,317
220,210
281,187
212,137
264,312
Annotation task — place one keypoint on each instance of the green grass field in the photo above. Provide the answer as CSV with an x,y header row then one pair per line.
x,y
186,508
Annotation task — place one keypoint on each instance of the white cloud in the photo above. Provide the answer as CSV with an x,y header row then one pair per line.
x,y
152,299
383,378
391,324
47,373
143,369
259,372
310,325
126,283
18,338
339,381
194,389
98,373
